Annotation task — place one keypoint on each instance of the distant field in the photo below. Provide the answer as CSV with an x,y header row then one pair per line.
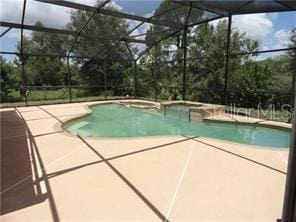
x,y
52,94
14,96
39,97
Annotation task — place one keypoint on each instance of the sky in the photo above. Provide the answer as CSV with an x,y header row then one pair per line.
x,y
271,29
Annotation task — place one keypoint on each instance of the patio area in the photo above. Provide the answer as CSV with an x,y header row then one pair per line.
x,y
50,175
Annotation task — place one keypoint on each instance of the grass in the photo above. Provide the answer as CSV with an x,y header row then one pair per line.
x,y
61,95
59,101
42,97
58,94
38,95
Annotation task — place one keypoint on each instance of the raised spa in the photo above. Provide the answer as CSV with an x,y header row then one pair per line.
x,y
119,121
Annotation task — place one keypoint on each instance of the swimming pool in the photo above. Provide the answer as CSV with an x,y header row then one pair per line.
x,y
119,121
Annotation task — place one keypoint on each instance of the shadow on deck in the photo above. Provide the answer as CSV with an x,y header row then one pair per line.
x,y
22,170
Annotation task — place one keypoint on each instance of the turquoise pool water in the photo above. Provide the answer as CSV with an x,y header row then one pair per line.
x,y
117,121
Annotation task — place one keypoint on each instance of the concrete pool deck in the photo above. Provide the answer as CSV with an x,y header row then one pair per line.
x,y
49,175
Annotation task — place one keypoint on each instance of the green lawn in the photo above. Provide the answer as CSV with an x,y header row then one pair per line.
x,y
35,95
39,97
58,94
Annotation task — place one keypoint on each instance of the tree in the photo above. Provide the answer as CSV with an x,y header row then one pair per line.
x,y
252,82
207,66
176,17
8,78
97,42
40,70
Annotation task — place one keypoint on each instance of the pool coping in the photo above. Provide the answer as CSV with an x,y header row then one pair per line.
x,y
259,123
59,127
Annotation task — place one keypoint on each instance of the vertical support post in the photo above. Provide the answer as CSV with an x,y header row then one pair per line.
x,y
289,206
105,79
135,79
293,91
184,63
24,79
227,64
69,80
172,94
22,51
185,53
189,115
155,72
293,94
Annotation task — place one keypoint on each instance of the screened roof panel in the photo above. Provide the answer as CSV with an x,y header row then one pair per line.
x,y
100,25
93,3
140,31
46,43
291,4
152,36
52,16
139,37
122,54
97,25
166,20
140,49
89,45
176,17
198,16
267,6
132,24
144,8
242,6
171,14
11,10
158,33
10,39
226,6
